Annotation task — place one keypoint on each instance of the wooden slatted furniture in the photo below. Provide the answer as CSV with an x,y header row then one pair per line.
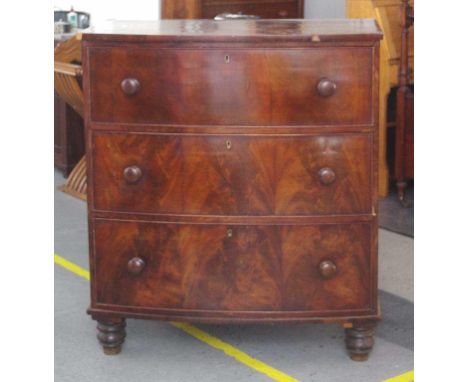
x,y
68,132
67,84
232,172
387,14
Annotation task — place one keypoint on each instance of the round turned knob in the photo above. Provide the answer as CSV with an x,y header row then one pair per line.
x,y
327,269
326,175
283,13
132,174
136,265
326,87
130,86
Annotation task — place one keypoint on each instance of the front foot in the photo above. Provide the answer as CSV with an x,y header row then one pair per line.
x,y
401,186
111,334
360,340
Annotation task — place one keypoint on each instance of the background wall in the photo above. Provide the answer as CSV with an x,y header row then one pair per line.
x,y
324,9
102,10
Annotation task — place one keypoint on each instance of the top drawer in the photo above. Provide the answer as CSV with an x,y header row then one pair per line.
x,y
315,86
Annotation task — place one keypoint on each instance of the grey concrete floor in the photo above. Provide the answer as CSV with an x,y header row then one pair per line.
x,y
395,217
158,351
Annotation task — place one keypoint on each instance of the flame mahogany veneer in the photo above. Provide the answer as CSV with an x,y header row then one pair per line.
x,y
232,171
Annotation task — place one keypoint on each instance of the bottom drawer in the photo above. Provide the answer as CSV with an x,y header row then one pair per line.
x,y
313,268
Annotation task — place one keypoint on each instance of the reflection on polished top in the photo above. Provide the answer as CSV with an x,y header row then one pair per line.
x,y
239,30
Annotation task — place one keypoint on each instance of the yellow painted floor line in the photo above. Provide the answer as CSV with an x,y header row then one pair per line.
x,y
231,351
72,267
214,342
406,377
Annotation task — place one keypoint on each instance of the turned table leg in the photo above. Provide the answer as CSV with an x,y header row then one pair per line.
x,y
360,340
111,334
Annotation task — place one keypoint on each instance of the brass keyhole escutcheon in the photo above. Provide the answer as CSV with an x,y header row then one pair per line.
x,y
228,144
227,59
229,232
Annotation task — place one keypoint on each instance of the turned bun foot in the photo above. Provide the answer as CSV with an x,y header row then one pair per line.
x,y
359,357
111,335
360,341
112,350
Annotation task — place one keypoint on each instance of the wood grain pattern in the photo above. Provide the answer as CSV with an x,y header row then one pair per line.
x,y
181,9
239,31
256,175
211,87
76,184
233,172
67,84
69,50
202,267
67,73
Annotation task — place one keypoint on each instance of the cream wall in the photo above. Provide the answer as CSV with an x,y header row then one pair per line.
x,y
102,10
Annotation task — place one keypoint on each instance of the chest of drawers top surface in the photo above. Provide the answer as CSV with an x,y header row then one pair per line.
x,y
236,30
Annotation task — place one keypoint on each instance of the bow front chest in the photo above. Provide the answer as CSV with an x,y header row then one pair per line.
x,y
232,173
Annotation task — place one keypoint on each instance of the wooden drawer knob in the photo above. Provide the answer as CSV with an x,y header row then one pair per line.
x,y
132,174
283,13
327,269
327,176
136,265
326,87
130,86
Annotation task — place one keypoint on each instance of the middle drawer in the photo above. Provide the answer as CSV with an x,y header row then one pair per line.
x,y
232,175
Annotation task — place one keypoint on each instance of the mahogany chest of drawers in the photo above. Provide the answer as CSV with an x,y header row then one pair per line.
x,y
232,171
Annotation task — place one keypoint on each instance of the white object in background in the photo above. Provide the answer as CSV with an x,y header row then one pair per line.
x,y
72,18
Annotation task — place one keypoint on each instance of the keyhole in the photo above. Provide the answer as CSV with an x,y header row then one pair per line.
x,y
229,232
228,144
226,59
